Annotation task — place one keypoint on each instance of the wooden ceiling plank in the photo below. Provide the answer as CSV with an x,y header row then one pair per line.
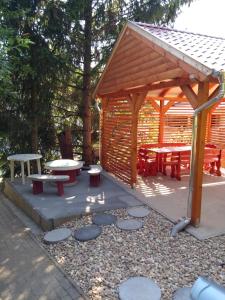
x,y
135,66
135,55
148,72
170,74
149,68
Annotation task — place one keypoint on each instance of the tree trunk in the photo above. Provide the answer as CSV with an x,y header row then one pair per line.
x,y
87,148
65,143
34,121
34,136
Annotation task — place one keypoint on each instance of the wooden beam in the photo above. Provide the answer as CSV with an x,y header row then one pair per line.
x,y
147,87
203,93
146,78
155,105
169,83
190,94
174,99
167,106
164,92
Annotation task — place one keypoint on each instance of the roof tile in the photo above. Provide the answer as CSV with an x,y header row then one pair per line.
x,y
207,50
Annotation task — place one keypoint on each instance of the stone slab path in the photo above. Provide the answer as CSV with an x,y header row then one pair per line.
x,y
26,271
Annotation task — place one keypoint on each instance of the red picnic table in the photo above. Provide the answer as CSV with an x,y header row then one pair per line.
x,y
181,154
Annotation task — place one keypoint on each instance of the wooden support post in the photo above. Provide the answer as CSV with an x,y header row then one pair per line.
x,y
209,127
203,91
136,101
104,102
161,122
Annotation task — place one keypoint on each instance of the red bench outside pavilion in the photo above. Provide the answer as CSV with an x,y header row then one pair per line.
x,y
38,179
95,175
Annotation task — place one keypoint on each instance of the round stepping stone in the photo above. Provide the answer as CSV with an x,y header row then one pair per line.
x,y
87,233
57,235
104,219
138,212
182,294
139,288
129,224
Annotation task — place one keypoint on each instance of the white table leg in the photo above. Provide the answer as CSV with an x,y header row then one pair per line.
x,y
39,166
28,168
22,172
12,170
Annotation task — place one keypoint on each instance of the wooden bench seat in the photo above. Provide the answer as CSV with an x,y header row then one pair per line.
x,y
38,179
212,161
95,176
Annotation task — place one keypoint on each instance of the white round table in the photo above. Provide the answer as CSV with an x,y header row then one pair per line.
x,y
22,158
65,167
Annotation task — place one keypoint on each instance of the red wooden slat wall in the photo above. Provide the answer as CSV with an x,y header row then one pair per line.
x,y
116,135
116,139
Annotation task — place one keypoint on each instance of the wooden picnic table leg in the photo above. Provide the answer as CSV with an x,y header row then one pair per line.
x,y
160,158
218,164
178,167
157,162
163,158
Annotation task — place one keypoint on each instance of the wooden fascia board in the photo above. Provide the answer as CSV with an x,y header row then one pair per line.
x,y
196,65
109,60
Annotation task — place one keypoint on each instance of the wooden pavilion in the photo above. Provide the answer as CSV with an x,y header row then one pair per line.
x,y
154,80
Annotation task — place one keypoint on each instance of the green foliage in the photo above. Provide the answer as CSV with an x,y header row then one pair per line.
x,y
46,69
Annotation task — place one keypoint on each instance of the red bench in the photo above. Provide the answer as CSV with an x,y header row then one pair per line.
x,y
212,161
38,179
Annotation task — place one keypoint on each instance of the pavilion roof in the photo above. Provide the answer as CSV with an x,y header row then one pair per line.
x,y
145,54
202,51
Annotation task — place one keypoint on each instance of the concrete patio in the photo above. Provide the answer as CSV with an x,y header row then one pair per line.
x,y
49,210
169,197
162,193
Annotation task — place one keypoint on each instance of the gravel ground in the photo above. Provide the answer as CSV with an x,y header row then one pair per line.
x,y
100,265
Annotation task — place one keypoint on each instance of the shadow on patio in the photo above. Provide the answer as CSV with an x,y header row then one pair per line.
x,y
169,197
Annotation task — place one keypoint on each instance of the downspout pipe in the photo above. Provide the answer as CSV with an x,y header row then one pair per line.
x,y
221,77
185,221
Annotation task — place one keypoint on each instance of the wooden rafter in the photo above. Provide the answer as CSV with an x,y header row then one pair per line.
x,y
190,94
166,107
155,105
